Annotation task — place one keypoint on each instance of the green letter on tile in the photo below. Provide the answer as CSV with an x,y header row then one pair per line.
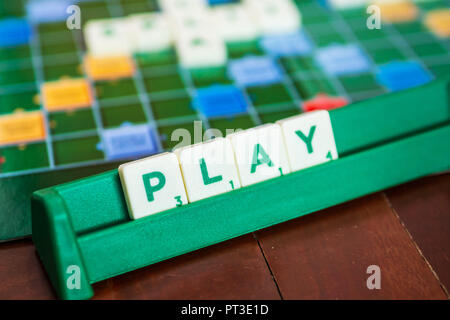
x,y
206,179
307,139
257,160
149,189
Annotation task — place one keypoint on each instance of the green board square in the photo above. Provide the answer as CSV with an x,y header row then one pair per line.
x,y
431,5
239,49
59,48
55,72
298,64
25,100
385,55
358,83
232,123
161,58
20,52
312,12
152,4
352,14
93,10
169,141
11,8
71,121
272,117
114,89
77,150
209,76
30,156
180,107
8,77
308,88
267,95
320,29
357,23
429,49
133,7
163,83
327,40
115,116
57,37
410,27
440,70
51,27
369,34
66,57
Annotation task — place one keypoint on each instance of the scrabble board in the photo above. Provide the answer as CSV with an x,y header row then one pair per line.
x,y
67,110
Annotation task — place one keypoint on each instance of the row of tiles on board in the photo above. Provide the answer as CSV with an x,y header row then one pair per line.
x,y
198,32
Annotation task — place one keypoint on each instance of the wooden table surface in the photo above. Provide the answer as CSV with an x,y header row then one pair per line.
x,y
404,230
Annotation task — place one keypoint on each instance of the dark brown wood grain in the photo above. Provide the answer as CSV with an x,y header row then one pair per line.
x,y
325,255
234,269
21,273
424,208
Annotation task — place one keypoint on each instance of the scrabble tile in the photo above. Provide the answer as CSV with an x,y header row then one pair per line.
x,y
323,101
234,23
21,127
129,141
191,23
152,185
46,11
108,68
107,37
340,59
397,11
254,71
66,94
220,100
208,168
309,139
275,16
260,153
149,32
397,76
291,44
438,21
14,32
201,49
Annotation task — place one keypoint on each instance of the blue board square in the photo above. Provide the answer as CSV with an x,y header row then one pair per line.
x,y
338,59
291,44
402,75
42,11
14,32
254,71
220,100
128,141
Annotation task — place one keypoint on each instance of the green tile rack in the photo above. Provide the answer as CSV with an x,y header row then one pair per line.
x,y
381,143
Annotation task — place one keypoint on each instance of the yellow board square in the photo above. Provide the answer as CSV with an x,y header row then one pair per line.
x,y
108,68
438,21
66,94
397,11
21,127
